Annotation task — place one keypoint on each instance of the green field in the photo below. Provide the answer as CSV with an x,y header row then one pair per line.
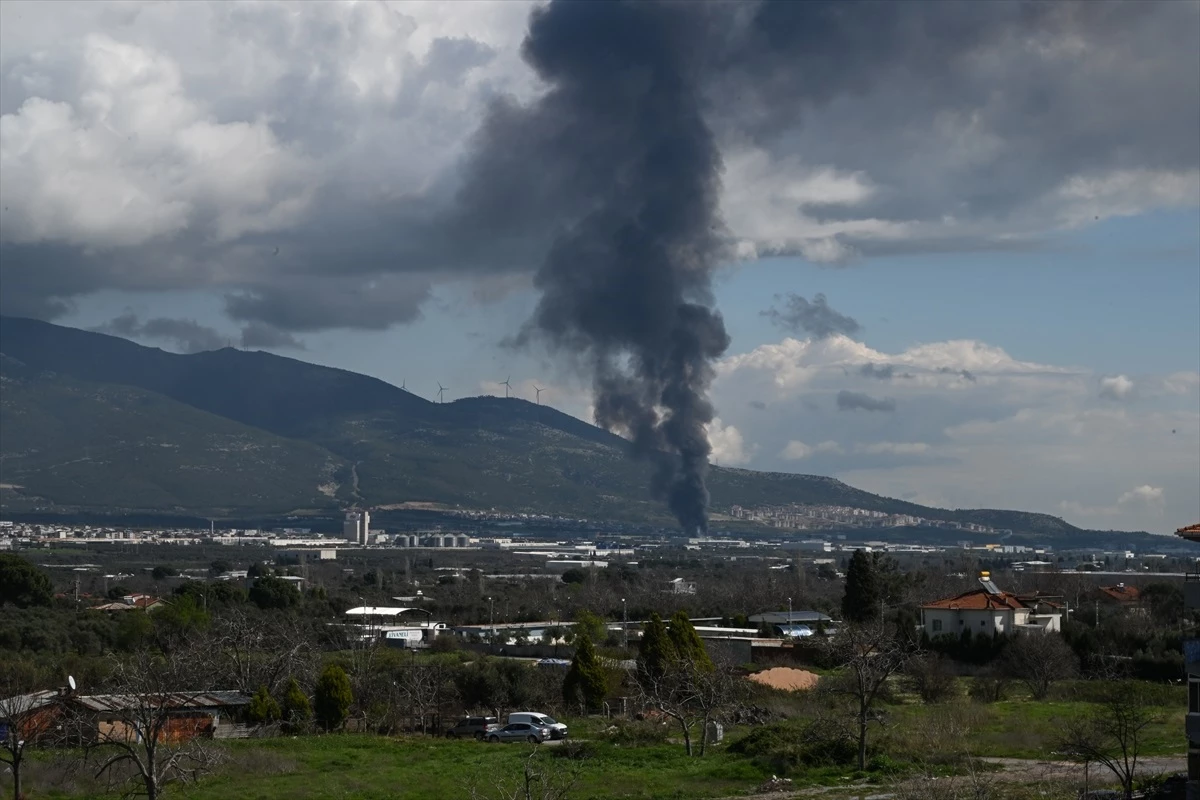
x,y
1011,729
916,738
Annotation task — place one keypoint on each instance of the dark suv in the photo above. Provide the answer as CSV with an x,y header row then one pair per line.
x,y
474,727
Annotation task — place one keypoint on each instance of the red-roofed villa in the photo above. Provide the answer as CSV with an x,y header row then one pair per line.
x,y
989,611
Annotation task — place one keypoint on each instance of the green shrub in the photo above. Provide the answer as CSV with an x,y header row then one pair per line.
x,y
332,697
782,748
638,733
576,750
263,708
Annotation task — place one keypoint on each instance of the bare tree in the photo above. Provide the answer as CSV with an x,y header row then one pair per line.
x,y
262,651
869,655
716,691
22,722
150,731
1113,733
691,695
1039,660
536,782
422,687
374,693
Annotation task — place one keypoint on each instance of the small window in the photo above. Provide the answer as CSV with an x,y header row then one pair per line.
x,y
937,625
982,623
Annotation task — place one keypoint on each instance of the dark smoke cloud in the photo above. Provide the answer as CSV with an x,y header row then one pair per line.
x,y
855,401
883,373
965,374
621,143
187,335
816,318
256,335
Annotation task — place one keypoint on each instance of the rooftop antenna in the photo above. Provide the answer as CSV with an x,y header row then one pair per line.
x,y
506,386
539,394
403,388
441,390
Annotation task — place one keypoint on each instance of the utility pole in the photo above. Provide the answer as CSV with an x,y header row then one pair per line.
x,y
624,625
789,612
492,624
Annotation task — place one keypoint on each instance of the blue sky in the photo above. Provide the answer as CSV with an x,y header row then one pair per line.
x,y
1020,248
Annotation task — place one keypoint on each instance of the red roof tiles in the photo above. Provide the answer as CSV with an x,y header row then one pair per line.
x,y
979,600
1191,532
1122,593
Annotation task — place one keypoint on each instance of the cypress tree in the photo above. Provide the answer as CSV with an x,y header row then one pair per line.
x,y
263,707
861,602
655,651
586,680
333,697
297,710
688,646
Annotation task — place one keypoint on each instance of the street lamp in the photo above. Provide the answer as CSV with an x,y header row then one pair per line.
x,y
367,618
492,617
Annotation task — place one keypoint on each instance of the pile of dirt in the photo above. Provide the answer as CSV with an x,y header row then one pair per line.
x,y
786,678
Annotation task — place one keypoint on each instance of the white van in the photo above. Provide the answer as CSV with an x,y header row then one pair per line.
x,y
557,729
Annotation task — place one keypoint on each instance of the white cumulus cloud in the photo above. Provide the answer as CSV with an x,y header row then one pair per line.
x,y
1116,387
728,445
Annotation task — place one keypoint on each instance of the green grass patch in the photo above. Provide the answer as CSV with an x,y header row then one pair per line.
x,y
362,767
1010,729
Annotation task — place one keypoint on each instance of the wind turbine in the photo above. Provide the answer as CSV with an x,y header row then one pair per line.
x,y
441,389
539,394
506,386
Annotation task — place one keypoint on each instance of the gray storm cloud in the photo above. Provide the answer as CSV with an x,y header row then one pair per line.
x,y
883,372
257,335
186,335
355,157
860,401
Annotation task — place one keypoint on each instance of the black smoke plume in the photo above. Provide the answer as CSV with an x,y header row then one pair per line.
x,y
626,285
614,174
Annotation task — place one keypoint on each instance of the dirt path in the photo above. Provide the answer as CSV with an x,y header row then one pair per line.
x,y
1012,770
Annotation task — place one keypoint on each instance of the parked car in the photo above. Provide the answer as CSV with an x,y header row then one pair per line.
x,y
519,732
473,727
557,729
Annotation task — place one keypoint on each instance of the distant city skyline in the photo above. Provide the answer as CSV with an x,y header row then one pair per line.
x,y
1008,264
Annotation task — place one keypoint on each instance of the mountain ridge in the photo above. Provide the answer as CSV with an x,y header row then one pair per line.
x,y
313,429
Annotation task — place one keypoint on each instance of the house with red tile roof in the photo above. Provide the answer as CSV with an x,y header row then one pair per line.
x,y
1123,594
990,611
132,602
1190,532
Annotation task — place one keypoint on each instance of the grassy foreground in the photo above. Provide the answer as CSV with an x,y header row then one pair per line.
x,y
363,767
915,737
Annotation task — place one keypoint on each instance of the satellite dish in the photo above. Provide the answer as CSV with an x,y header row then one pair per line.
x,y
71,682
